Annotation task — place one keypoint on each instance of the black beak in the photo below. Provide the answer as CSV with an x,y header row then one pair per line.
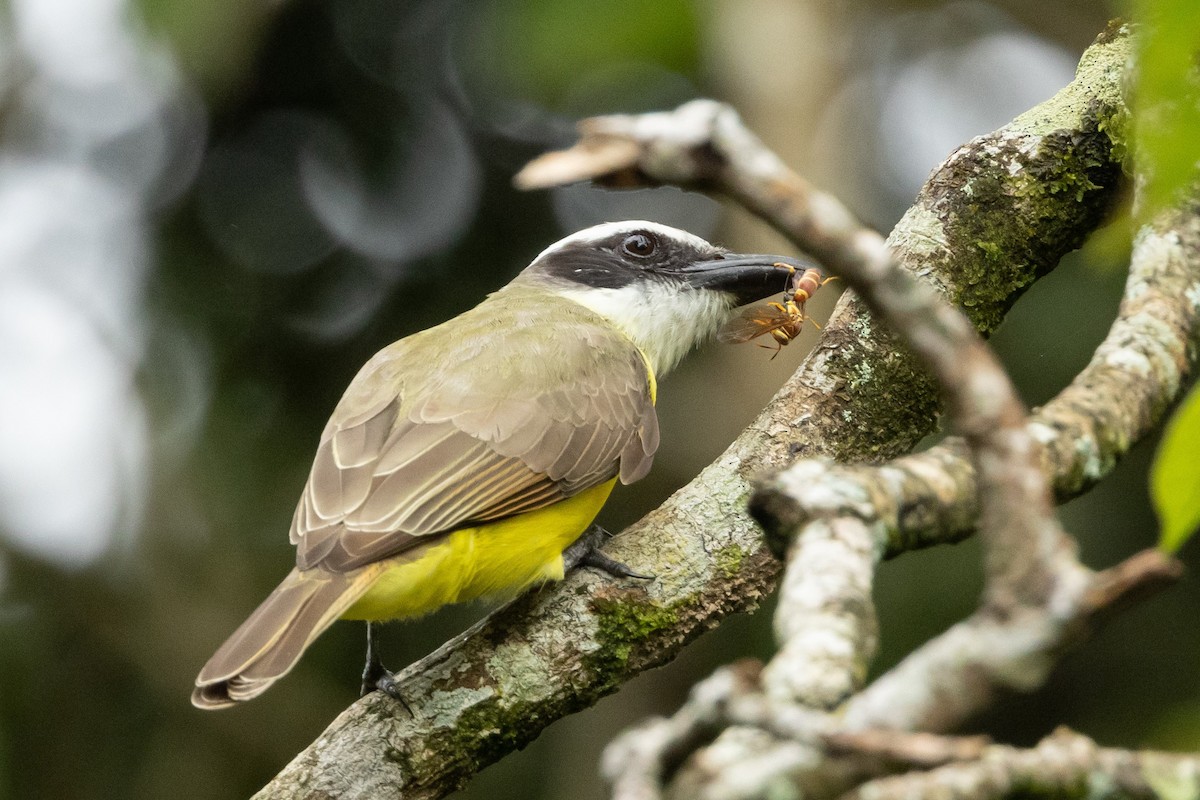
x,y
746,277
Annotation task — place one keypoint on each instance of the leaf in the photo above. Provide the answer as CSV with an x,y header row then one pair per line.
x,y
1175,475
1167,111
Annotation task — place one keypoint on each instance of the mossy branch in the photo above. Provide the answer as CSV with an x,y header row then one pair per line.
x,y
857,396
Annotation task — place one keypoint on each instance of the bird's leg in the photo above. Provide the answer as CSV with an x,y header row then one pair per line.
x,y
375,675
585,552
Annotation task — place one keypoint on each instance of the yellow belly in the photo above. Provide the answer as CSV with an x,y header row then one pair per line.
x,y
494,560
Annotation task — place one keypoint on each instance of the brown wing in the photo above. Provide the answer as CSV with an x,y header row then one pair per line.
x,y
506,412
752,322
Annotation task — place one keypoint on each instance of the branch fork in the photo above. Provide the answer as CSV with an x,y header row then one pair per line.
x,y
795,720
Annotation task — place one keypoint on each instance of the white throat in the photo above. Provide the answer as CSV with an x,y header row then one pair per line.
x,y
665,322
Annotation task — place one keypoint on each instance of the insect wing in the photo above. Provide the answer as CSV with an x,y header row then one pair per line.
x,y
753,322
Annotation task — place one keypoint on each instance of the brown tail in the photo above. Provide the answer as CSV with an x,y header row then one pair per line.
x,y
268,644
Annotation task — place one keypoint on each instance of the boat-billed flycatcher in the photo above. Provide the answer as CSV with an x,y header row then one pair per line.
x,y
463,460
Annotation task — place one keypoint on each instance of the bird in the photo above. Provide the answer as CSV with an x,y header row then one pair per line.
x,y
464,460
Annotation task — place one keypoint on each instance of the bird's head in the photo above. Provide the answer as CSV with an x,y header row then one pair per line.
x,y
665,288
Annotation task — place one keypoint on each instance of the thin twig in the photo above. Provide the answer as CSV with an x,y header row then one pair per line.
x,y
914,750
1063,764
962,671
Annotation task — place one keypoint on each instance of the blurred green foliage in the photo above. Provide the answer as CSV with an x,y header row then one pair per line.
x,y
1167,125
215,41
96,663
540,48
1167,100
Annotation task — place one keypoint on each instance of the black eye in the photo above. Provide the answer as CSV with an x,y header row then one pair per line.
x,y
639,245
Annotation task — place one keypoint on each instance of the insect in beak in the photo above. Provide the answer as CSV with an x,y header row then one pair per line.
x,y
781,320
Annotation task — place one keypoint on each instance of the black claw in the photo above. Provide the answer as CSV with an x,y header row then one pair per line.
x,y
387,684
597,560
585,552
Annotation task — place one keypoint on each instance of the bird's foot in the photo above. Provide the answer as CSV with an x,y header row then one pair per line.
x,y
375,676
585,552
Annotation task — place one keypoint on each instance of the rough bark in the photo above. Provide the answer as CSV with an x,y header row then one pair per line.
x,y
1120,396
835,522
1063,764
995,216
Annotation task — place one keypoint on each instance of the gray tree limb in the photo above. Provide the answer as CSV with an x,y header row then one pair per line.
x,y
1064,764
1038,600
1119,397
988,223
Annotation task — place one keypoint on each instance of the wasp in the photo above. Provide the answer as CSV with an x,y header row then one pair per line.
x,y
782,320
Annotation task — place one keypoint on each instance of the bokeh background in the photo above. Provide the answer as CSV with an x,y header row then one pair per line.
x,y
213,211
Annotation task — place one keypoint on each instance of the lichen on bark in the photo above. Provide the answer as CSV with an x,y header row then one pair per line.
x,y
857,396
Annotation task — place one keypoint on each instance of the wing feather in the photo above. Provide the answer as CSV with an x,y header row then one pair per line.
x,y
537,496
362,443
410,441
503,413
419,507
473,498
404,489
587,445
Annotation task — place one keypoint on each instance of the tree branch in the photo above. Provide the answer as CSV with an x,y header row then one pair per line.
x,y
1063,764
1038,597
988,223
1120,396
1038,600
931,497
960,672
